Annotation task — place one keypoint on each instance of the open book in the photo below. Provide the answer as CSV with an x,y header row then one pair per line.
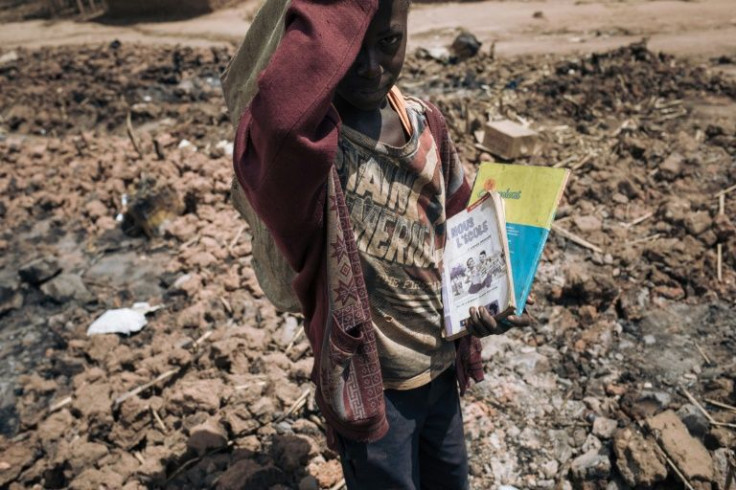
x,y
476,268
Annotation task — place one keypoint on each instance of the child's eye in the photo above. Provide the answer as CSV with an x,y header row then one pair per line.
x,y
390,41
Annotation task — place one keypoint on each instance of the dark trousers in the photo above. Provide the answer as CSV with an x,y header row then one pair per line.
x,y
424,448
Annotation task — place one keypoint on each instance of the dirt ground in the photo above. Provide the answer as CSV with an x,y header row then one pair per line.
x,y
114,189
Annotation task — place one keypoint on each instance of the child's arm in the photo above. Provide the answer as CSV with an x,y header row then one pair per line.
x,y
287,138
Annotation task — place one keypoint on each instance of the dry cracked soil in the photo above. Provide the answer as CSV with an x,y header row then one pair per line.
x,y
115,189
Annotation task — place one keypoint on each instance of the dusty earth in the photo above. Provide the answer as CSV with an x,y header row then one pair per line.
x,y
626,380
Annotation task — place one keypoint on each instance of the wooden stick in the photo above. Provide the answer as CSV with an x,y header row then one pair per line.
x,y
227,306
724,424
702,353
645,239
576,239
297,336
639,220
726,191
131,134
139,457
583,162
674,467
160,422
145,386
60,404
719,247
697,404
237,237
721,405
564,162
80,6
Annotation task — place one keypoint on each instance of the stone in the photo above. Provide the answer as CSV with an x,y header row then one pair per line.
x,y
509,140
309,483
588,224
207,437
696,223
292,452
66,287
688,453
672,166
637,459
465,45
10,298
590,466
604,427
39,270
247,473
721,467
694,420
327,473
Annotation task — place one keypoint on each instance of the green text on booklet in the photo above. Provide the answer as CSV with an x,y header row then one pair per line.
x,y
531,195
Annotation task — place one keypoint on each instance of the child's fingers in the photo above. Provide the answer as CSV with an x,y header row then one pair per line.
x,y
488,319
518,321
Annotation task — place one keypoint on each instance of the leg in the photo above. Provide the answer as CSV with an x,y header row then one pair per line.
x,y
443,456
391,462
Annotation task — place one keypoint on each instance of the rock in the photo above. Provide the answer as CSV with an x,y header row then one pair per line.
x,y
465,45
604,427
67,287
694,420
193,395
14,459
637,459
672,166
309,483
85,454
720,437
39,270
592,443
591,466
697,223
152,208
247,473
588,224
206,437
688,453
292,452
721,467
327,473
10,298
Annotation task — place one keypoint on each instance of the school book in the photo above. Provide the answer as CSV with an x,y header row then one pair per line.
x,y
476,269
531,195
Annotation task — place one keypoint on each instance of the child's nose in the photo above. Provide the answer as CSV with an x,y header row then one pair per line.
x,y
368,64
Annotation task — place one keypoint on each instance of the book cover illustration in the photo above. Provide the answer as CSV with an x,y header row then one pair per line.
x,y
476,269
531,195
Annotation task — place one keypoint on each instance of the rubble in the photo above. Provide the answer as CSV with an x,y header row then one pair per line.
x,y
215,391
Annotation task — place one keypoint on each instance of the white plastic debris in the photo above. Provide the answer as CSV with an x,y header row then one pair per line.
x,y
226,146
187,144
122,320
9,57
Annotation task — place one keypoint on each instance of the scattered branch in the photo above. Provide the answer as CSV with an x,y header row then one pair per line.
x,y
131,134
576,239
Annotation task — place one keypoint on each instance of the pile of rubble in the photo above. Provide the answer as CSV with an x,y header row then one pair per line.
x,y
115,189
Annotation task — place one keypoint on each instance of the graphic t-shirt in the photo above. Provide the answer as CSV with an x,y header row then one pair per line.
x,y
396,198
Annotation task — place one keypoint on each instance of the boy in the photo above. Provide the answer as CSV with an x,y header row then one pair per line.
x,y
355,184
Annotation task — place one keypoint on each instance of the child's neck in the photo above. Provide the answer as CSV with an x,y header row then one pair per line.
x,y
381,124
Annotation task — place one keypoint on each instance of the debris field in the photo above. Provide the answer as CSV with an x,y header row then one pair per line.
x,y
114,189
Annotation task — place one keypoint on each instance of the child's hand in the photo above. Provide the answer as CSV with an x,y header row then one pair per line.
x,y
482,323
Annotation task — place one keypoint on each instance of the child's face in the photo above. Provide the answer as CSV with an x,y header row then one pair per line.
x,y
381,57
